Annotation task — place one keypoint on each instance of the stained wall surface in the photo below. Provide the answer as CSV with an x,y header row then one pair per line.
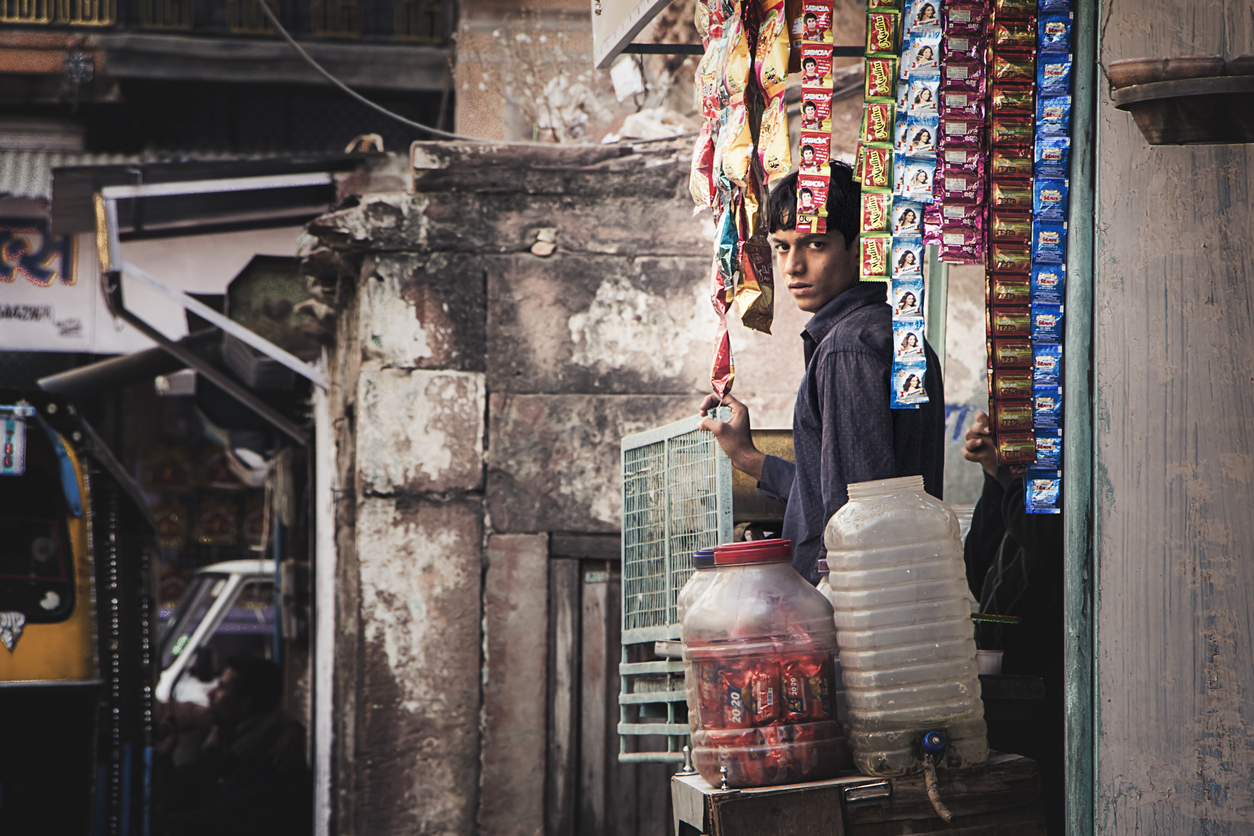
x,y
1174,435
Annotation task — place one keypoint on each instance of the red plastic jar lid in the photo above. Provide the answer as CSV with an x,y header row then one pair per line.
x,y
756,551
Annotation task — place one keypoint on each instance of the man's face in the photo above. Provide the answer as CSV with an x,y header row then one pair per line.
x,y
816,268
228,704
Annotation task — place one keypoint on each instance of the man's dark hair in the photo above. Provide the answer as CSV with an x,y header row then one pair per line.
x,y
843,199
260,679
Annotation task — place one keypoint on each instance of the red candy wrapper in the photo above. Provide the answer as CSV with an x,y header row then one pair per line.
x,y
965,17
964,157
816,21
877,121
815,149
881,31
764,682
955,213
816,66
1010,226
736,694
1017,68
874,257
965,132
1013,130
963,74
1011,163
1013,99
877,167
960,185
812,195
880,76
816,110
808,684
723,369
875,211
709,695
962,103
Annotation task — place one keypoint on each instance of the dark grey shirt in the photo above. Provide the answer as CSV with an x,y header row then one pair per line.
x,y
842,427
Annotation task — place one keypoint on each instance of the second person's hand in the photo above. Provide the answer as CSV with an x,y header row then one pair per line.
x,y
734,435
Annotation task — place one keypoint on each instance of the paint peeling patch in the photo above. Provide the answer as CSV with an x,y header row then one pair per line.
x,y
1238,466
391,329
626,327
420,430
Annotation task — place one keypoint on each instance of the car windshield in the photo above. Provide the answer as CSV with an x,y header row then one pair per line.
x,y
192,610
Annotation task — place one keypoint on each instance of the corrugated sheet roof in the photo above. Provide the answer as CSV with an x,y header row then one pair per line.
x,y
28,174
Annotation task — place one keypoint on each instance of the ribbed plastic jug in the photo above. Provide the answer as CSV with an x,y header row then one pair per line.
x,y
842,706
903,622
758,646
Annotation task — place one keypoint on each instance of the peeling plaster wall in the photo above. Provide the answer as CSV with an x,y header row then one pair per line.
x,y
1174,439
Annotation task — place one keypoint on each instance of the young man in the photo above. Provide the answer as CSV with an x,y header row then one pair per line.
x,y
843,428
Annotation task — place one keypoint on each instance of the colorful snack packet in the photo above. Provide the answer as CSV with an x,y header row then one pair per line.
x,y
963,74
1011,34
901,130
1012,416
959,213
960,185
1049,448
1047,324
877,167
816,110
922,53
877,209
1049,242
816,21
816,66
912,178
1055,32
722,368
922,135
1014,68
881,76
1008,289
1013,99
1009,257
1048,283
1009,322
1011,354
908,379
966,132
1016,448
1052,156
1006,9
1012,130
1050,202
1054,5
1043,491
1009,383
881,31
907,296
1010,195
961,103
922,93
1009,226
700,178
962,244
738,63
738,148
1047,365
1053,75
907,217
774,147
875,252
924,15
961,45
772,48
812,195
814,150
877,121
1053,116
908,339
965,17
1047,407
1010,164
964,157
907,255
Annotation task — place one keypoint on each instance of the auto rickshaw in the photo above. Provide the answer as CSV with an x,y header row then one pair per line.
x,y
78,558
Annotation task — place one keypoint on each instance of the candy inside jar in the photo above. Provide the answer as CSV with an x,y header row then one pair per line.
x,y
759,645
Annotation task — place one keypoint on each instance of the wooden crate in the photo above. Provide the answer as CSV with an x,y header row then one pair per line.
x,y
1002,795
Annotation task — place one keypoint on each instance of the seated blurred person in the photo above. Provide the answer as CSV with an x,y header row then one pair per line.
x,y
1015,567
250,776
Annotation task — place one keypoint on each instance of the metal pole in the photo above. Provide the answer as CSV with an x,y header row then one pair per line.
x,y
1079,556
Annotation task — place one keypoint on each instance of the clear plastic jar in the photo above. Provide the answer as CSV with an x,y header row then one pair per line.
x,y
703,574
759,646
907,645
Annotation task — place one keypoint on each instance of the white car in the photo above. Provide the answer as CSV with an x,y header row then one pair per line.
x,y
228,610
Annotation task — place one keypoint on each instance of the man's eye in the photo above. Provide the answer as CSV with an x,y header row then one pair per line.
x,y
817,245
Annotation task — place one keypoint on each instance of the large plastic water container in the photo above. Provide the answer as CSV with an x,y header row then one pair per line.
x,y
907,646
759,646
703,574
842,705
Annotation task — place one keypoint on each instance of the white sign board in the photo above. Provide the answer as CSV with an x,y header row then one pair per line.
x,y
615,23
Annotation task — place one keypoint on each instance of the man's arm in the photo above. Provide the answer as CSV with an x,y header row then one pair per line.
x,y
774,475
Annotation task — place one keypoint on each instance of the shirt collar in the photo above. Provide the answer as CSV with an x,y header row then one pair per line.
x,y
858,296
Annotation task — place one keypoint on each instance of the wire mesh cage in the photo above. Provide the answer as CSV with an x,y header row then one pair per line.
x,y
677,498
